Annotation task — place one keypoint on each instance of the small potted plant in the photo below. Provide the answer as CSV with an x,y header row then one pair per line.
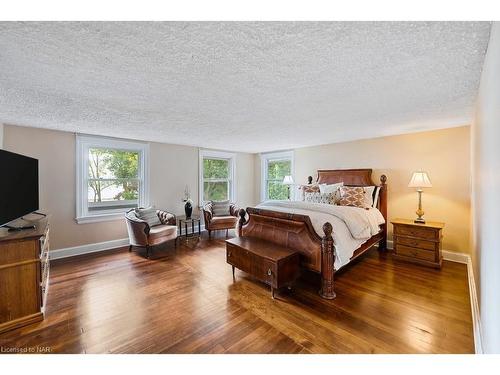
x,y
188,203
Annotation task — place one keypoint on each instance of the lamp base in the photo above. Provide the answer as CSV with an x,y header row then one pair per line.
x,y
419,221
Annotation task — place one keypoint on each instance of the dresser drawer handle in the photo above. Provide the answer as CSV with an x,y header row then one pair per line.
x,y
228,254
269,272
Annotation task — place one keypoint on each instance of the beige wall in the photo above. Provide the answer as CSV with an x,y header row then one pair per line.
x,y
444,154
172,167
486,197
1,136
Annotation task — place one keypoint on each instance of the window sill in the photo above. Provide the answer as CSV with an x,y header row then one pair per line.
x,y
99,218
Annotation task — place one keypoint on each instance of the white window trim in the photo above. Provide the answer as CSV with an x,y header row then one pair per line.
x,y
83,143
232,168
264,160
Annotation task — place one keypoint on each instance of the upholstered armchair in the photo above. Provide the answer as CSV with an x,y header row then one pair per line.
x,y
141,234
225,221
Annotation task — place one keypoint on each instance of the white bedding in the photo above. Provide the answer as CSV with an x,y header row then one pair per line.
x,y
352,226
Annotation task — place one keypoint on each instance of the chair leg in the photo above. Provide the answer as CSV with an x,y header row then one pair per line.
x,y
175,243
209,234
130,248
147,251
227,232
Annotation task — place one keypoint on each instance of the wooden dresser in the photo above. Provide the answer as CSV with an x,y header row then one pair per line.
x,y
24,275
418,243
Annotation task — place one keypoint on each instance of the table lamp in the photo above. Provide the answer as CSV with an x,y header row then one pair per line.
x,y
420,180
288,180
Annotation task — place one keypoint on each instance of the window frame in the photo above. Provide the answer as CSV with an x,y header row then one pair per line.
x,y
265,158
221,155
83,144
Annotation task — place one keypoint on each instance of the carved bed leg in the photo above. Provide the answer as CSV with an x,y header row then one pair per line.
x,y
327,263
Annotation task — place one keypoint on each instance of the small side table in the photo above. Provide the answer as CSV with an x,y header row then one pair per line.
x,y
186,222
418,243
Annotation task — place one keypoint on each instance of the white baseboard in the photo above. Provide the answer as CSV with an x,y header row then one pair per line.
x,y
474,304
455,257
476,319
86,249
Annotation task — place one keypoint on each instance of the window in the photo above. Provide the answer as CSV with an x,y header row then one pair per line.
x,y
217,176
275,166
111,177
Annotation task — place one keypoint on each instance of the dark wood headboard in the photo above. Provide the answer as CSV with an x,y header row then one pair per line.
x,y
357,177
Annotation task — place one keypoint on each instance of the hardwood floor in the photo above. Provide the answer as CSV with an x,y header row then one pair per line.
x,y
185,301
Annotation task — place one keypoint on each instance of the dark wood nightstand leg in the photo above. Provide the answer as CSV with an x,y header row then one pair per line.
x,y
272,292
233,274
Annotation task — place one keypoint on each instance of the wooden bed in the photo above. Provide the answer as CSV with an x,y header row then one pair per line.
x,y
296,231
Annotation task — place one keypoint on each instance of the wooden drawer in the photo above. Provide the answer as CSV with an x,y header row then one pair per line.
x,y
262,269
412,252
265,271
240,258
413,231
415,242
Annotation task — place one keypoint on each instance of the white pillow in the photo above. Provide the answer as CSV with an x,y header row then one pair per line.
x,y
375,199
369,195
329,189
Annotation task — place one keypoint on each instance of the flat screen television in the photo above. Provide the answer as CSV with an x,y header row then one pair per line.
x,y
18,186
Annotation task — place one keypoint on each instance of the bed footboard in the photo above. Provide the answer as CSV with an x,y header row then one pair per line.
x,y
295,232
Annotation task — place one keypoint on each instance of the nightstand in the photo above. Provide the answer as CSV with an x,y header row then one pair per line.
x,y
418,243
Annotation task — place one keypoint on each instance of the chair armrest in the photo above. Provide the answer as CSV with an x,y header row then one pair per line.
x,y
138,230
207,212
166,217
233,210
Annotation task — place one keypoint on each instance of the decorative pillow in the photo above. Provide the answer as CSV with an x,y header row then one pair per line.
x,y
220,208
331,189
312,188
320,198
149,215
355,196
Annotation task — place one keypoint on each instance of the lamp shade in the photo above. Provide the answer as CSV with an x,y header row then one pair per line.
x,y
420,180
288,180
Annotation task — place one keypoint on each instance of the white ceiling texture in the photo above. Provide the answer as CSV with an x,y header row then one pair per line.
x,y
243,86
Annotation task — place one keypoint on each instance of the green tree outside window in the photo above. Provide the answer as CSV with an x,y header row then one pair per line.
x,y
276,171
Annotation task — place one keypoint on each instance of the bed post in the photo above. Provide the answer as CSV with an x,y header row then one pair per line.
x,y
241,221
382,245
327,263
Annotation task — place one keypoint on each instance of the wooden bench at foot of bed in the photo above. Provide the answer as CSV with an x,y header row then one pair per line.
x,y
275,265
281,233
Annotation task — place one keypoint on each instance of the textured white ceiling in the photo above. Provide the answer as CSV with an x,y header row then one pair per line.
x,y
245,86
